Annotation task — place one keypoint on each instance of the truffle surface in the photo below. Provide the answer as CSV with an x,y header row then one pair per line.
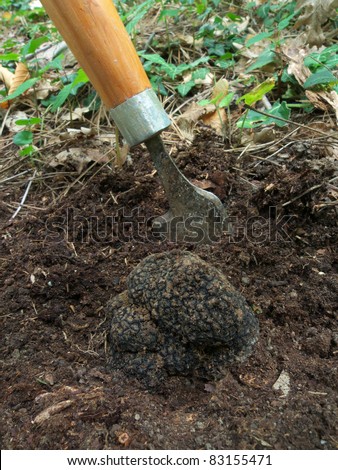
x,y
179,316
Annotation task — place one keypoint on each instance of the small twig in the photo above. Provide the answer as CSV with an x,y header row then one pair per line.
x,y
59,48
24,197
326,204
4,120
317,186
275,153
291,122
14,176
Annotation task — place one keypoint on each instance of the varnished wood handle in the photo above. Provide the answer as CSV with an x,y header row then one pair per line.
x,y
97,37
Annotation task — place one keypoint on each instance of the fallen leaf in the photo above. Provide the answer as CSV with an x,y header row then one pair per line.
x,y
121,155
21,74
76,115
315,14
6,76
188,120
44,88
10,122
324,100
204,184
78,158
220,90
296,51
264,136
190,40
216,120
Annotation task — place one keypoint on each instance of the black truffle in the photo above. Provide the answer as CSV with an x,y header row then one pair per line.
x,y
179,316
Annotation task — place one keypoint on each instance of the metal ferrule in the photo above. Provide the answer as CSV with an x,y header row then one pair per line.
x,y
141,117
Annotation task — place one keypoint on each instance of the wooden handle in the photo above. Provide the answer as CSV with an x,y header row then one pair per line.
x,y
97,37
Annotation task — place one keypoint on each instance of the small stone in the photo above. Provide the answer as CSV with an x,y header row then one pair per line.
x,y
137,417
9,281
283,384
49,378
245,281
293,294
16,354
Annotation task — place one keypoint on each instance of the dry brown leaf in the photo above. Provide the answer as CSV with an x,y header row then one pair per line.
x,y
187,121
6,76
76,115
44,88
216,120
10,122
78,158
315,14
21,74
295,50
207,80
190,40
204,184
324,100
220,90
121,155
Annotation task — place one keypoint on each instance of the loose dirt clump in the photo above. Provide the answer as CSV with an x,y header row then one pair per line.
x,y
61,263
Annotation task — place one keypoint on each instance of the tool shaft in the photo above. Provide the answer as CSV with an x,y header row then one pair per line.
x,y
97,37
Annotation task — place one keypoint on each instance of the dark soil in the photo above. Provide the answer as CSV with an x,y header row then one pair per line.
x,y
60,266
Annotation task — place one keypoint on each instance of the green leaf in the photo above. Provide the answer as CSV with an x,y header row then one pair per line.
x,y
153,58
258,92
169,69
33,45
321,77
233,16
184,88
200,74
9,57
61,97
81,77
257,38
254,119
21,89
185,67
267,57
55,64
28,122
168,12
225,64
79,80
225,102
23,138
285,23
27,150
136,14
328,56
204,102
